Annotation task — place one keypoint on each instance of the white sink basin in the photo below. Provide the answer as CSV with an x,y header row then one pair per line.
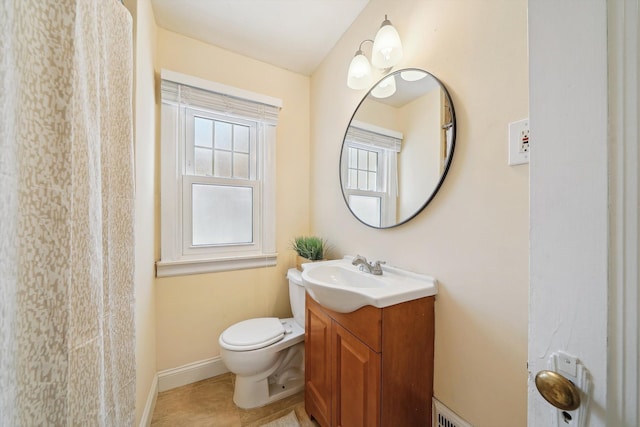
x,y
340,286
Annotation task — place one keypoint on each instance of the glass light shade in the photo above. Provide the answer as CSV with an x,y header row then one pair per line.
x,y
360,76
387,47
412,75
385,88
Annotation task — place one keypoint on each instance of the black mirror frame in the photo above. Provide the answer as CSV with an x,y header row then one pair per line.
x,y
446,166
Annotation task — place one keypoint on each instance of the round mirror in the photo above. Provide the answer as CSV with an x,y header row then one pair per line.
x,y
397,148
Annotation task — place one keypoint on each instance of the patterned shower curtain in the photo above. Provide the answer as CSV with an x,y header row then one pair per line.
x,y
66,213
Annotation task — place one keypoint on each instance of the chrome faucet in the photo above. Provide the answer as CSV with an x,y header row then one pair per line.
x,y
374,268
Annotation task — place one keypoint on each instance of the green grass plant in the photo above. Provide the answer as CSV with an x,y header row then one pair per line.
x,y
310,247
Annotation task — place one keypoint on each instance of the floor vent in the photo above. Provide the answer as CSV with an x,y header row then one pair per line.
x,y
445,417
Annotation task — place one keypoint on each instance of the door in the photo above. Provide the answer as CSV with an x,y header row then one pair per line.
x,y
583,213
356,381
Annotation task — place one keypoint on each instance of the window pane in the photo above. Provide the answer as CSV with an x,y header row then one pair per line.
x,y
362,180
241,139
222,214
241,166
372,181
353,158
203,132
223,135
203,161
366,208
362,159
353,178
222,164
373,161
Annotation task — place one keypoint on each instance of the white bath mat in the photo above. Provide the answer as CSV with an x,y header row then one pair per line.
x,y
289,420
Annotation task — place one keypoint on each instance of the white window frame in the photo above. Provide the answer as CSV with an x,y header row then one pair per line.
x,y
180,94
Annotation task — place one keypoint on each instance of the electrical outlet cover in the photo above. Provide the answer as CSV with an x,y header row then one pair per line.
x,y
519,144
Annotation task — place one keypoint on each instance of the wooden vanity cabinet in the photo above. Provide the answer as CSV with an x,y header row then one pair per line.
x,y
372,367
317,353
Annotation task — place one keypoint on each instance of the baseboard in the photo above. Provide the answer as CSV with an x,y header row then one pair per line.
x,y
147,414
190,373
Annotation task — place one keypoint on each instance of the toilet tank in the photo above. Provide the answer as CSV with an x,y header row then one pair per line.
x,y
296,295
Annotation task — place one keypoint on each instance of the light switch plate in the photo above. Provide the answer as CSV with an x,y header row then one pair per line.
x,y
519,144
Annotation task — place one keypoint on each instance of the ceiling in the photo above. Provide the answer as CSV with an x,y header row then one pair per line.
x,y
292,34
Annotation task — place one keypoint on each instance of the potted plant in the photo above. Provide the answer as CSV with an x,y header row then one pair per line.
x,y
309,249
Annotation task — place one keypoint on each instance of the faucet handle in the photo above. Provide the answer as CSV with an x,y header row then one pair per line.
x,y
357,259
377,267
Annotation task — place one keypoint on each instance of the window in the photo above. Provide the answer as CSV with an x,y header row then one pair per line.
x,y
370,170
363,168
217,177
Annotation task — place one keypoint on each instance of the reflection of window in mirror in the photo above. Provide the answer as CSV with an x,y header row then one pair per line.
x,y
363,169
370,169
367,208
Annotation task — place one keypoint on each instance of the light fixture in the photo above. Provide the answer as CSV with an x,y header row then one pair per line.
x,y
385,88
387,47
360,74
386,52
412,75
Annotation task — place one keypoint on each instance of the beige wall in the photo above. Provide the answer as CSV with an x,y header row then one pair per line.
x,y
379,114
193,310
145,226
474,236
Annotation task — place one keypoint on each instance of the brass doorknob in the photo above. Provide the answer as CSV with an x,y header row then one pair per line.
x,y
557,390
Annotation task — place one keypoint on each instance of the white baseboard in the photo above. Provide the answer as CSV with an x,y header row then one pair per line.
x,y
190,373
147,414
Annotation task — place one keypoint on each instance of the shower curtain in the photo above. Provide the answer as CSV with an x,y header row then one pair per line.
x,y
66,213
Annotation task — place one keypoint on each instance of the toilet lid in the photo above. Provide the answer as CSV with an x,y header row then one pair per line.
x,y
252,334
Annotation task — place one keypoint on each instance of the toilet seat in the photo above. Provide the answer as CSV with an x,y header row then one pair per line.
x,y
252,334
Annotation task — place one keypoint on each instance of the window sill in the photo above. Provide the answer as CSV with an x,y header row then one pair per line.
x,y
200,266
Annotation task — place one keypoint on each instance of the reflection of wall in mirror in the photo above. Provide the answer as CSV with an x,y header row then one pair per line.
x,y
379,114
420,161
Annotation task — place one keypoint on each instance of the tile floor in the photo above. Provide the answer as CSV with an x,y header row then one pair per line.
x,y
210,403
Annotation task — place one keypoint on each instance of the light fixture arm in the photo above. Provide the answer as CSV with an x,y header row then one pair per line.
x,y
359,52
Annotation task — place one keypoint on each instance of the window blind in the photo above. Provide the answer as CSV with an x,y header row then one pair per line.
x,y
368,138
221,103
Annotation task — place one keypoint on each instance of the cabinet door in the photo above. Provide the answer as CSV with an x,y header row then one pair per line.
x,y
317,363
356,381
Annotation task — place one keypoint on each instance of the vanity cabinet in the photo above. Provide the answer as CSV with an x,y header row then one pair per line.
x,y
372,367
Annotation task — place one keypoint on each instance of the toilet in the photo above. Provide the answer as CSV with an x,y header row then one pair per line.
x,y
267,354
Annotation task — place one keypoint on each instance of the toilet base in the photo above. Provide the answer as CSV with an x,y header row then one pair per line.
x,y
249,392
259,394
277,391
